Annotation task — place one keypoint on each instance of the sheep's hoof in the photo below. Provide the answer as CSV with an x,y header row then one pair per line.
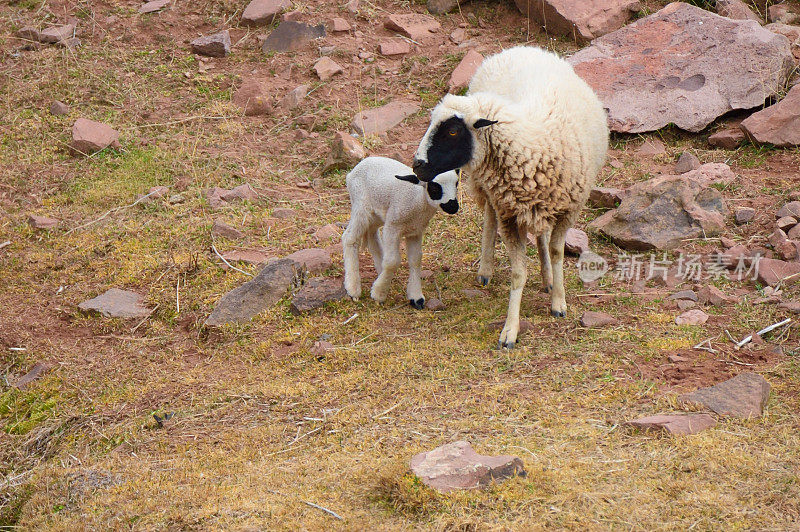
x,y
507,345
418,304
547,288
558,313
483,281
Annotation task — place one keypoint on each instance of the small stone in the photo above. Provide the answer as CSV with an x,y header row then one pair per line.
x,y
249,256
116,303
293,16
790,209
252,98
326,68
788,250
576,242
217,196
153,6
42,222
686,304
313,260
743,215
440,7
711,295
711,173
785,223
458,35
686,163
283,213
777,238
726,242
221,229
352,6
470,293
780,13
29,33
294,98
316,292
677,358
35,372
326,50
434,304
417,27
652,147
679,424
89,136
684,294
463,73
217,45
394,47
794,233
263,12
743,396
291,36
56,34
321,347
728,139
327,232
339,24
457,466
382,119
736,9
791,306
175,199
597,319
606,198
345,153
59,108
692,317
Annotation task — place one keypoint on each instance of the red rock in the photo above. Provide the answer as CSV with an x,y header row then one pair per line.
x,y
458,35
153,6
463,73
294,97
742,215
292,36
675,424
35,372
785,223
686,163
597,319
677,358
216,195
313,260
434,304
283,213
606,198
692,317
711,295
791,306
794,233
439,7
252,98
743,396
56,34
576,241
346,152
736,9
250,256
416,26
778,124
470,293
788,250
711,173
661,69
579,19
89,136
327,232
457,466
42,222
790,209
315,293
221,229
58,108
685,294
326,68
263,12
116,303
28,33
382,119
339,24
217,45
293,16
780,13
728,139
790,32
726,242
651,147
777,238
394,47
772,271
321,347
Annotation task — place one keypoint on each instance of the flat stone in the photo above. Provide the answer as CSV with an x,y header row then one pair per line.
x,y
684,294
788,250
218,196
780,13
394,47
471,293
339,24
221,229
440,7
153,6
116,303
217,45
283,213
327,232
742,215
414,25
686,163
778,124
29,33
35,372
291,36
606,198
313,260
463,73
434,304
249,256
682,65
576,242
345,153
294,16
89,136
316,292
326,68
728,139
785,223
263,12
790,209
736,9
794,233
743,396
580,20
56,34
773,271
791,306
686,304
253,297
679,424
651,147
252,98
382,119
59,108
711,295
42,222
294,98
777,238
711,173
597,319
692,317
457,466
676,358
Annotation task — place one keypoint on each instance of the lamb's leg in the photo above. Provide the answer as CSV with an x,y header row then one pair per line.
x,y
558,303
486,267
351,243
390,242
375,248
414,289
543,245
514,239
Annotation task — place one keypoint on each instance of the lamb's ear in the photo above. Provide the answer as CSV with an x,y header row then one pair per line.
x,y
482,122
414,180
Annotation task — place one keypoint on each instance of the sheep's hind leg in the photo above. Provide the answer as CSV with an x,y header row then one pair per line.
x,y
558,302
488,240
414,289
391,260
375,248
514,239
543,245
351,244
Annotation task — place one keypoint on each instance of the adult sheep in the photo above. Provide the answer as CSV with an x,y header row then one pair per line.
x,y
531,137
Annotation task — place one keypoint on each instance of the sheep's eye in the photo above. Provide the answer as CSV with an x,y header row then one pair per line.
x,y
453,132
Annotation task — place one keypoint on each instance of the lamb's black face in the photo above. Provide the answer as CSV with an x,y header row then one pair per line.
x,y
449,147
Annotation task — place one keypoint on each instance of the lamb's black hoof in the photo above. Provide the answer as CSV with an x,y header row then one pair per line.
x,y
418,304
483,281
558,313
508,345
547,289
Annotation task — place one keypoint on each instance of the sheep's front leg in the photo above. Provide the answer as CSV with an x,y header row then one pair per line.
x,y
558,302
543,245
515,242
486,267
414,289
391,260
351,242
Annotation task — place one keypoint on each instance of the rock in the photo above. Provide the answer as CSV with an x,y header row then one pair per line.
x,y
327,232
597,319
470,293
321,348
778,124
249,256
255,296
682,65
394,47
346,152
316,292
89,136
786,222
772,271
58,108
28,33
692,317
794,233
576,241
382,119
711,295
780,13
440,7
742,215
416,26
790,209
686,163
176,198
294,16
217,45
791,306
743,396
711,173
56,34
154,193
686,304
606,198
579,19
252,98
661,212
457,466
684,294
116,303
326,68
788,250
677,358
728,139
777,238
35,372
339,24
463,73
42,222
217,196
221,229
651,147
283,213
294,98
675,424
153,6
434,304
736,9
793,34
263,12
312,260
291,36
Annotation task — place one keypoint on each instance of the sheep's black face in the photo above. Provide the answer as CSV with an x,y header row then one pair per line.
x,y
448,147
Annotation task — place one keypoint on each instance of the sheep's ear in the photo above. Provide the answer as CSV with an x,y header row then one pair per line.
x,y
482,122
414,180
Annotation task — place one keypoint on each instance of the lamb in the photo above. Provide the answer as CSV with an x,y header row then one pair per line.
x,y
386,193
531,137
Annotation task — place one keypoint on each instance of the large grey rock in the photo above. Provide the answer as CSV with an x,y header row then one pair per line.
x,y
382,119
457,466
683,65
743,396
116,303
675,424
778,124
255,296
582,20
661,212
291,36
316,292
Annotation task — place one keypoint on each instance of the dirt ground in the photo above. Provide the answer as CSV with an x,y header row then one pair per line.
x,y
163,424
